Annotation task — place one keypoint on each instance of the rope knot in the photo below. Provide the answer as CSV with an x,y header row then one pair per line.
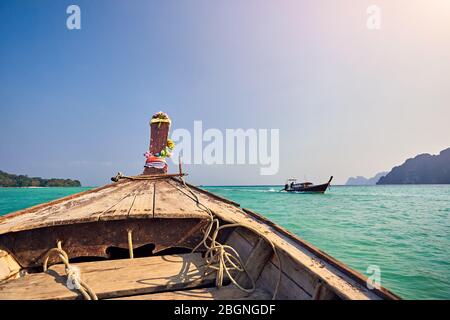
x,y
118,176
73,273
73,277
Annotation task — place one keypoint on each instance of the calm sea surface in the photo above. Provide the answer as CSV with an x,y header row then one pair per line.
x,y
404,230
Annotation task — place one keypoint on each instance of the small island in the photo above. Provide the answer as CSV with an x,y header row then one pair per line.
x,y
21,181
363,181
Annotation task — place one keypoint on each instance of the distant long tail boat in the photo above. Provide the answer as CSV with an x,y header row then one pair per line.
x,y
293,186
154,236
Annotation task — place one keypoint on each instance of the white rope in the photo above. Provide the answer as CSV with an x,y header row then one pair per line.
x,y
223,258
73,273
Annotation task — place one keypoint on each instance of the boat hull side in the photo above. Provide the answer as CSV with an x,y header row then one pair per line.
x,y
94,238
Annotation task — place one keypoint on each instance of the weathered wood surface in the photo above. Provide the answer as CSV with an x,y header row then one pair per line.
x,y
256,255
170,202
229,292
159,132
113,278
9,268
83,207
123,200
137,204
243,248
255,263
143,202
93,239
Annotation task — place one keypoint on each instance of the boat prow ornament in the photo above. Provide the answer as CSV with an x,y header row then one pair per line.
x,y
160,148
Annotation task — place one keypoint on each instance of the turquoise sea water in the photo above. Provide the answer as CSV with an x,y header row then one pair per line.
x,y
405,230
13,199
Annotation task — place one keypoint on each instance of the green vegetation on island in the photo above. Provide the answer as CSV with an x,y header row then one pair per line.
x,y
12,180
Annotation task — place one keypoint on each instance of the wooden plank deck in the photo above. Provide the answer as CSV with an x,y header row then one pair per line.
x,y
123,200
170,201
123,209
113,278
229,292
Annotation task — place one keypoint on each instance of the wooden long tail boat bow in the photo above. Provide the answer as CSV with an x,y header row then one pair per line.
x,y
191,243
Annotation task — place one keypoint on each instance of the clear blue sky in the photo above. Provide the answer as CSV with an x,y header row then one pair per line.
x,y
348,101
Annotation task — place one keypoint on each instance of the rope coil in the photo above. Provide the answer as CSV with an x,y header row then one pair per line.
x,y
73,273
223,258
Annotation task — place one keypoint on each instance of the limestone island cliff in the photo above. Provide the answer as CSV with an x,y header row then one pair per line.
x,y
422,169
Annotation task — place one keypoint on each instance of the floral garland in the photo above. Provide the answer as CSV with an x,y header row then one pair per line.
x,y
167,151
